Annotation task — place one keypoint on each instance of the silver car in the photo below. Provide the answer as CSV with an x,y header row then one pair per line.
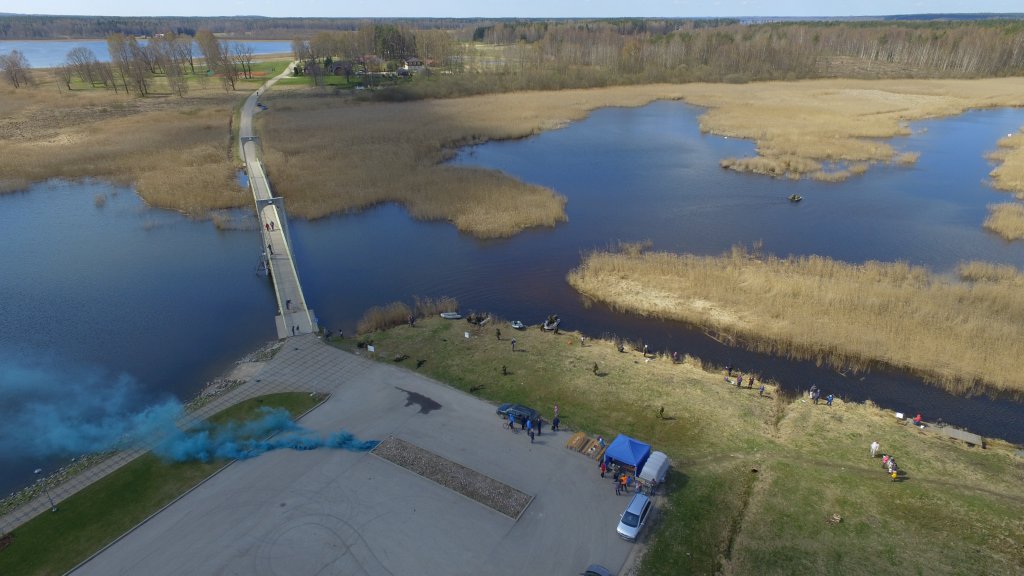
x,y
634,518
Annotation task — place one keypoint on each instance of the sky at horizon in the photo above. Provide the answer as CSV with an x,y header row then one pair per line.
x,y
520,8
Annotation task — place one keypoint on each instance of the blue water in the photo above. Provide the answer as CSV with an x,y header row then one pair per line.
x,y
51,53
133,305
119,306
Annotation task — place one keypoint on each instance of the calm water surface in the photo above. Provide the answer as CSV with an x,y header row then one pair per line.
x,y
51,53
108,310
132,305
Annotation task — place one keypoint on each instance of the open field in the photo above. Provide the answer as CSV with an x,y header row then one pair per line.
x,y
754,478
53,543
393,152
960,334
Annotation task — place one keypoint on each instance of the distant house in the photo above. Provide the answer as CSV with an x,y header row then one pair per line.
x,y
412,66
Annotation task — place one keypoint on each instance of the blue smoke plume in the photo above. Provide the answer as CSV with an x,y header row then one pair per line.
x,y
51,409
234,441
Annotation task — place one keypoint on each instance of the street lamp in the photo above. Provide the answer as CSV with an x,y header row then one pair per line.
x,y
53,507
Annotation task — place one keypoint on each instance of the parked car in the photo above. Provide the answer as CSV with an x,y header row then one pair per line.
x,y
634,518
596,570
518,411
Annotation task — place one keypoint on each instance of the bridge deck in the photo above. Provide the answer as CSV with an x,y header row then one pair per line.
x,y
293,315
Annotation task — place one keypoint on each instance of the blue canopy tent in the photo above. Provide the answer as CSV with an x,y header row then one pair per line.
x,y
626,450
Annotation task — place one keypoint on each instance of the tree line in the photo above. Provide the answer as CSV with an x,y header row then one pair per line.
x,y
133,65
36,27
555,54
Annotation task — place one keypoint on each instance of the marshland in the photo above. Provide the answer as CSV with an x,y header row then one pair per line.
x,y
490,185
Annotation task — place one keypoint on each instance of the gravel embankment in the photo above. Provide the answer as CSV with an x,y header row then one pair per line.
x,y
469,483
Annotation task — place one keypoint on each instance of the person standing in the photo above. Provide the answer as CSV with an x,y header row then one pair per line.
x,y
604,467
760,391
739,380
513,344
537,426
511,422
270,248
618,488
288,304
272,225
554,424
828,400
497,332
267,226
531,436
874,448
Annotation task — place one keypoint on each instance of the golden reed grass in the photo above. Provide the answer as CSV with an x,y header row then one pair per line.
x,y
331,154
394,314
1006,219
962,334
175,151
1009,175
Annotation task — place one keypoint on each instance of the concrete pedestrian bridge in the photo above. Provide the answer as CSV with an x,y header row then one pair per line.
x,y
294,316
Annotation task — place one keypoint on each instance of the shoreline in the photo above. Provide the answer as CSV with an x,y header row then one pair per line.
x,y
241,373
746,466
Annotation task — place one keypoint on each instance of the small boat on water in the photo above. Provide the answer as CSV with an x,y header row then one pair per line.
x,y
451,315
552,322
795,197
518,325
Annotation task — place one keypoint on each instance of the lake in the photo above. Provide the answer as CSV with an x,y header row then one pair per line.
x,y
112,309
52,53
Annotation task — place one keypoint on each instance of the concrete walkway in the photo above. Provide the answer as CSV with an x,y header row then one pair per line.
x,y
293,315
303,355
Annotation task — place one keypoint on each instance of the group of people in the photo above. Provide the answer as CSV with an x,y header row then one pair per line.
x,y
888,462
815,394
532,426
739,381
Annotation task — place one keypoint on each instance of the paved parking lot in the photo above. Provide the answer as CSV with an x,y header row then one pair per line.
x,y
339,512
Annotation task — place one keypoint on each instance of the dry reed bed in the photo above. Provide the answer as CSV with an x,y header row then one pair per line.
x,y
175,151
1009,175
332,155
960,334
1007,220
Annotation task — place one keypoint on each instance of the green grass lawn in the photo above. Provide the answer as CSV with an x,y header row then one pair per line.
x,y
53,543
755,480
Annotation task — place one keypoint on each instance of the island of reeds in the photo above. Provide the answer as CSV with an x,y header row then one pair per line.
x,y
962,333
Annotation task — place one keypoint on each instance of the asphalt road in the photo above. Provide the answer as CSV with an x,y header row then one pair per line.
x,y
339,512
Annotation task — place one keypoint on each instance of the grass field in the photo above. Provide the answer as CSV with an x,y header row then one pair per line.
x,y
53,543
961,334
754,478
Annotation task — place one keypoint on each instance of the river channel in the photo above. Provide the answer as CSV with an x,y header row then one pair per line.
x,y
111,306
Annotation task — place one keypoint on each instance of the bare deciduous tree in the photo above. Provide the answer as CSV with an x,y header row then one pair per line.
x,y
218,58
15,68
